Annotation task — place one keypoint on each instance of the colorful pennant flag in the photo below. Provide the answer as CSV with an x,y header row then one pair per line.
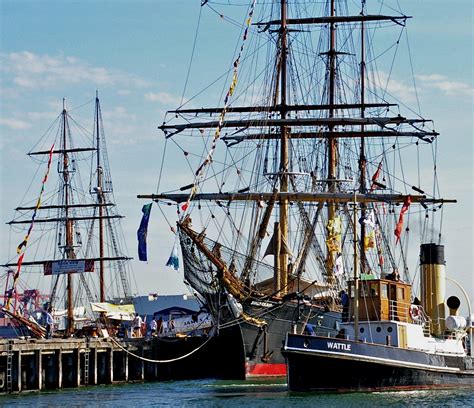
x,y
142,232
398,228
20,248
200,171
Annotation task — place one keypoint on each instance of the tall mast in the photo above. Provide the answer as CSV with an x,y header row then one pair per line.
x,y
332,141
69,225
281,267
356,273
100,199
362,158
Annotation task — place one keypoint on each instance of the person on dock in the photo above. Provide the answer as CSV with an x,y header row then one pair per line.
x,y
153,327
137,326
49,323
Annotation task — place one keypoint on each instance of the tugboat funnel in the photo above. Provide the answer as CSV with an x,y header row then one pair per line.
x,y
433,285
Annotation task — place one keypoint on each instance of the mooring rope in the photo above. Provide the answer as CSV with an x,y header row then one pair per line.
x,y
160,361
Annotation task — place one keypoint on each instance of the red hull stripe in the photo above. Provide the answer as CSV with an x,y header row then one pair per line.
x,y
264,370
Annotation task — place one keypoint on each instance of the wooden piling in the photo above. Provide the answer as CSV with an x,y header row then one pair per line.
x,y
45,364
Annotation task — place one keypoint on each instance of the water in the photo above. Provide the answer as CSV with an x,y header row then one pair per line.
x,y
243,394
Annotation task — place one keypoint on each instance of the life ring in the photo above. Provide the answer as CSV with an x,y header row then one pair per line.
x,y
415,312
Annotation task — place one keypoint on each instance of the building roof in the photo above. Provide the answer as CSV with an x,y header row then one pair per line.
x,y
148,305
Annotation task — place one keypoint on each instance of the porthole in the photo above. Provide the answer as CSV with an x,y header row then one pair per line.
x,y
389,329
378,329
362,330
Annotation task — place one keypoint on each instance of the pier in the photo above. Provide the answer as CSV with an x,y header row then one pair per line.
x,y
29,365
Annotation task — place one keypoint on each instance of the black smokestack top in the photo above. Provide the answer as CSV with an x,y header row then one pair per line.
x,y
432,254
453,302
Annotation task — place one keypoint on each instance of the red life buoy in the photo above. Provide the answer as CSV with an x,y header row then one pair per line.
x,y
415,312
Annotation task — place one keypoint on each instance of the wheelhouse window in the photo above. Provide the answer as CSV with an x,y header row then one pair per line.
x,y
374,289
400,293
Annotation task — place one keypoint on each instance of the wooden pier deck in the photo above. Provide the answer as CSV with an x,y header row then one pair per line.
x,y
45,364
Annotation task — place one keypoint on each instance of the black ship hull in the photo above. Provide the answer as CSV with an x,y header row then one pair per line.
x,y
197,357
255,327
261,345
322,364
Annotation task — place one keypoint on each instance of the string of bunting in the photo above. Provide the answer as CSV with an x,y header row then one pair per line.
x,y
20,249
200,171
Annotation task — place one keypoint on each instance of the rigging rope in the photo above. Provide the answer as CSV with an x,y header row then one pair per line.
x,y
159,361
200,171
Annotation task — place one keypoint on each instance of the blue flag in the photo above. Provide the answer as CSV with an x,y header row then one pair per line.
x,y
142,232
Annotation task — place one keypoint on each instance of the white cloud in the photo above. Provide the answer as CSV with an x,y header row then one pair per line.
x,y
163,97
118,114
15,124
396,88
35,116
35,71
403,89
444,84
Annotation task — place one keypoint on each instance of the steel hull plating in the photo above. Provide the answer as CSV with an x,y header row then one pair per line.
x,y
316,364
262,345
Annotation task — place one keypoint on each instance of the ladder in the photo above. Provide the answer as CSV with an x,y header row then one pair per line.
x,y
9,367
86,363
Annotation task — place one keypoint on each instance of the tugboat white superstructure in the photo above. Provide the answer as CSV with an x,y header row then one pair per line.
x,y
389,342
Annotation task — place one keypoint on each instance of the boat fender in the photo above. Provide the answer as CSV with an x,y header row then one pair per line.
x,y
415,312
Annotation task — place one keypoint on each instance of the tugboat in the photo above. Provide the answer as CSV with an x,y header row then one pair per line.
x,y
389,342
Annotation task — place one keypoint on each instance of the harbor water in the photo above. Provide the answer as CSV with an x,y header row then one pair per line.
x,y
216,393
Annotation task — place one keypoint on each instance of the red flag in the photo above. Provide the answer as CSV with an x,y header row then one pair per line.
x,y
376,176
398,228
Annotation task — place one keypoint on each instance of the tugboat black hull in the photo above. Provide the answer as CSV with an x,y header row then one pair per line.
x,y
324,364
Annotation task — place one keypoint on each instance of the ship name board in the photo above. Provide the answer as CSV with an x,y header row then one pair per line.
x,y
262,304
68,266
339,346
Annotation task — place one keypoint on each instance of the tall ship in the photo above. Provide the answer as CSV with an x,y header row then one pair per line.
x,y
261,185
70,244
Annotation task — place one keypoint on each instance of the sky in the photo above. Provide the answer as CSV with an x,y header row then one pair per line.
x,y
137,53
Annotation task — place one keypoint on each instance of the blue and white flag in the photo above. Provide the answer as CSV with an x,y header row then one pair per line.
x,y
142,232
173,260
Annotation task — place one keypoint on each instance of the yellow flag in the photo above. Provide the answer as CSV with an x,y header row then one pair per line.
x,y
369,241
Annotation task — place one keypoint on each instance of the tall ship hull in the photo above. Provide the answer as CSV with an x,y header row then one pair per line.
x,y
262,345
259,322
